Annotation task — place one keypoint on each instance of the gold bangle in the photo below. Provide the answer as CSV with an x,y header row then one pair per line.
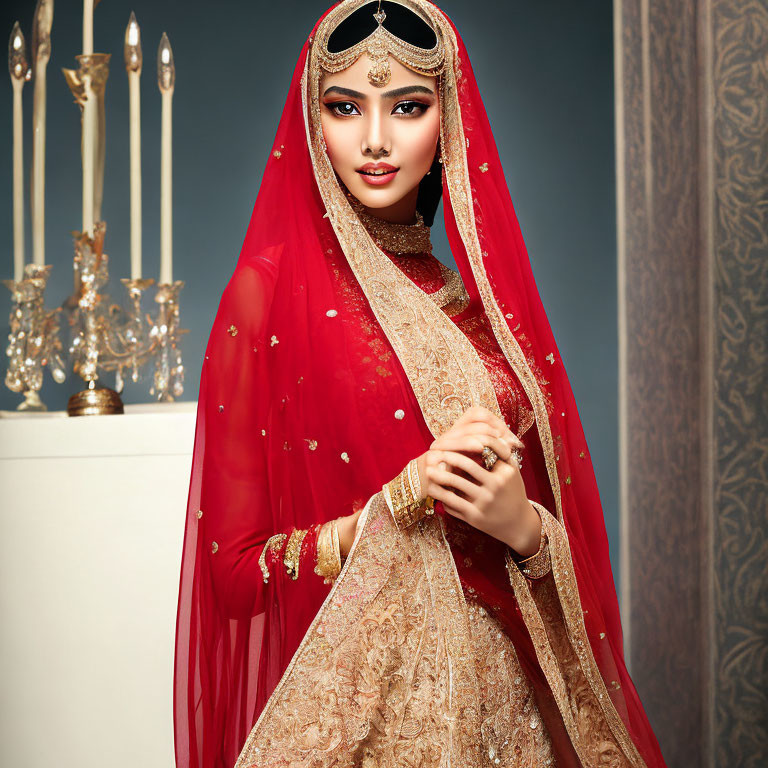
x,y
274,543
407,506
293,552
537,565
413,478
328,552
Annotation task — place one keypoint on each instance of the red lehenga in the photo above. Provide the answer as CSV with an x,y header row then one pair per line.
x,y
328,368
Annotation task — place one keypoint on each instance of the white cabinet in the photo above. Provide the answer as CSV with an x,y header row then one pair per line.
x,y
91,523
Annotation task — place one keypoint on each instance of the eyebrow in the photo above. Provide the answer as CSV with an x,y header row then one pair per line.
x,y
387,94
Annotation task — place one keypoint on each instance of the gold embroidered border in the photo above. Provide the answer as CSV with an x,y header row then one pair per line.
x,y
567,590
457,175
445,372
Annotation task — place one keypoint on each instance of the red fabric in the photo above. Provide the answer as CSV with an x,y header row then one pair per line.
x,y
296,426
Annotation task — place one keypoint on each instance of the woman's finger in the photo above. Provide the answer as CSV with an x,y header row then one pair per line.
x,y
464,509
460,461
480,414
470,428
476,444
472,490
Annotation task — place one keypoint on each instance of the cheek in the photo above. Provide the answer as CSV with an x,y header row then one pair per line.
x,y
340,140
419,140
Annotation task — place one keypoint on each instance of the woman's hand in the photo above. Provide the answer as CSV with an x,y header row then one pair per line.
x,y
494,501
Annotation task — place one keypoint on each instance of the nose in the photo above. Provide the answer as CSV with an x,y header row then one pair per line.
x,y
375,141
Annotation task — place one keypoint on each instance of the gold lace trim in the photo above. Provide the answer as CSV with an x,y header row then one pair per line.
x,y
584,682
454,153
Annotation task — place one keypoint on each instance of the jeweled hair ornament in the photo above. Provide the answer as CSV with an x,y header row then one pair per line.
x,y
350,21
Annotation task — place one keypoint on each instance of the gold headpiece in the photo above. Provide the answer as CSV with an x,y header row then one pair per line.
x,y
379,44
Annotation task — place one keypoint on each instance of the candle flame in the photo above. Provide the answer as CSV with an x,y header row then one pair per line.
x,y
18,66
166,71
132,47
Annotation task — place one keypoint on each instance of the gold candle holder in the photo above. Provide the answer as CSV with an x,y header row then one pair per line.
x,y
87,321
33,341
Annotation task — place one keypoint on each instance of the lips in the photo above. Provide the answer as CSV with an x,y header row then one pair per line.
x,y
377,173
376,169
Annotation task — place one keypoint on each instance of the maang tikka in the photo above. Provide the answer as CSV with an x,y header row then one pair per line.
x,y
379,74
379,45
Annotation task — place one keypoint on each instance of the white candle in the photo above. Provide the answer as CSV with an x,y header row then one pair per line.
x,y
19,70
41,53
88,27
89,123
18,183
133,63
166,76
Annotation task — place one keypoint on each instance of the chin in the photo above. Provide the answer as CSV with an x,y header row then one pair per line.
x,y
378,198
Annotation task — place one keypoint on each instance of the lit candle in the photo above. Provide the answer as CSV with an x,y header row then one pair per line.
x,y
133,62
41,54
166,78
20,73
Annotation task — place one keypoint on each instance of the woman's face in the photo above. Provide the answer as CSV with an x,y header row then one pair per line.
x,y
395,128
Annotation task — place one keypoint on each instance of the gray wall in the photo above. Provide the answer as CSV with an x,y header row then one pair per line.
x,y
545,71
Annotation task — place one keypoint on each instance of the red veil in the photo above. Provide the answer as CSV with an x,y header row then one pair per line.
x,y
325,372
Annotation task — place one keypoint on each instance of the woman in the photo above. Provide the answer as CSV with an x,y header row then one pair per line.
x,y
360,403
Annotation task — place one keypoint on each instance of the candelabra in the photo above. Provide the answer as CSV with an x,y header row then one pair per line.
x,y
113,338
33,341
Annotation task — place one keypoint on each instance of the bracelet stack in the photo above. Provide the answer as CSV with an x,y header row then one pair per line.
x,y
328,552
404,498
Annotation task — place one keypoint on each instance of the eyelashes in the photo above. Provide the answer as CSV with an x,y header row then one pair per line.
x,y
415,108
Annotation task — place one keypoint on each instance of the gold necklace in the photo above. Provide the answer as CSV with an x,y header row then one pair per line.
x,y
393,237
414,238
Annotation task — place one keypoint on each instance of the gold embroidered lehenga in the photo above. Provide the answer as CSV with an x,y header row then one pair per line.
x,y
340,349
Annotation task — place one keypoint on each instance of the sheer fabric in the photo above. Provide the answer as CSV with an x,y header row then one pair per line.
x,y
326,370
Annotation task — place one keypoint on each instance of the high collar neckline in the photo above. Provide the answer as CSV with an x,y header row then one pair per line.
x,y
392,237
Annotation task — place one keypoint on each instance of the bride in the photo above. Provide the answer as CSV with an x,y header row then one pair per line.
x,y
394,551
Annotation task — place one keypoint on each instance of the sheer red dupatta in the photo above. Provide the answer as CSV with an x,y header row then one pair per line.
x,y
307,405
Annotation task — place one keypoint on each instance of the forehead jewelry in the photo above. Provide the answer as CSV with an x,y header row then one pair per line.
x,y
379,74
380,44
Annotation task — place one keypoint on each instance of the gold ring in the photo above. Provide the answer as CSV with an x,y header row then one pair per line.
x,y
490,457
